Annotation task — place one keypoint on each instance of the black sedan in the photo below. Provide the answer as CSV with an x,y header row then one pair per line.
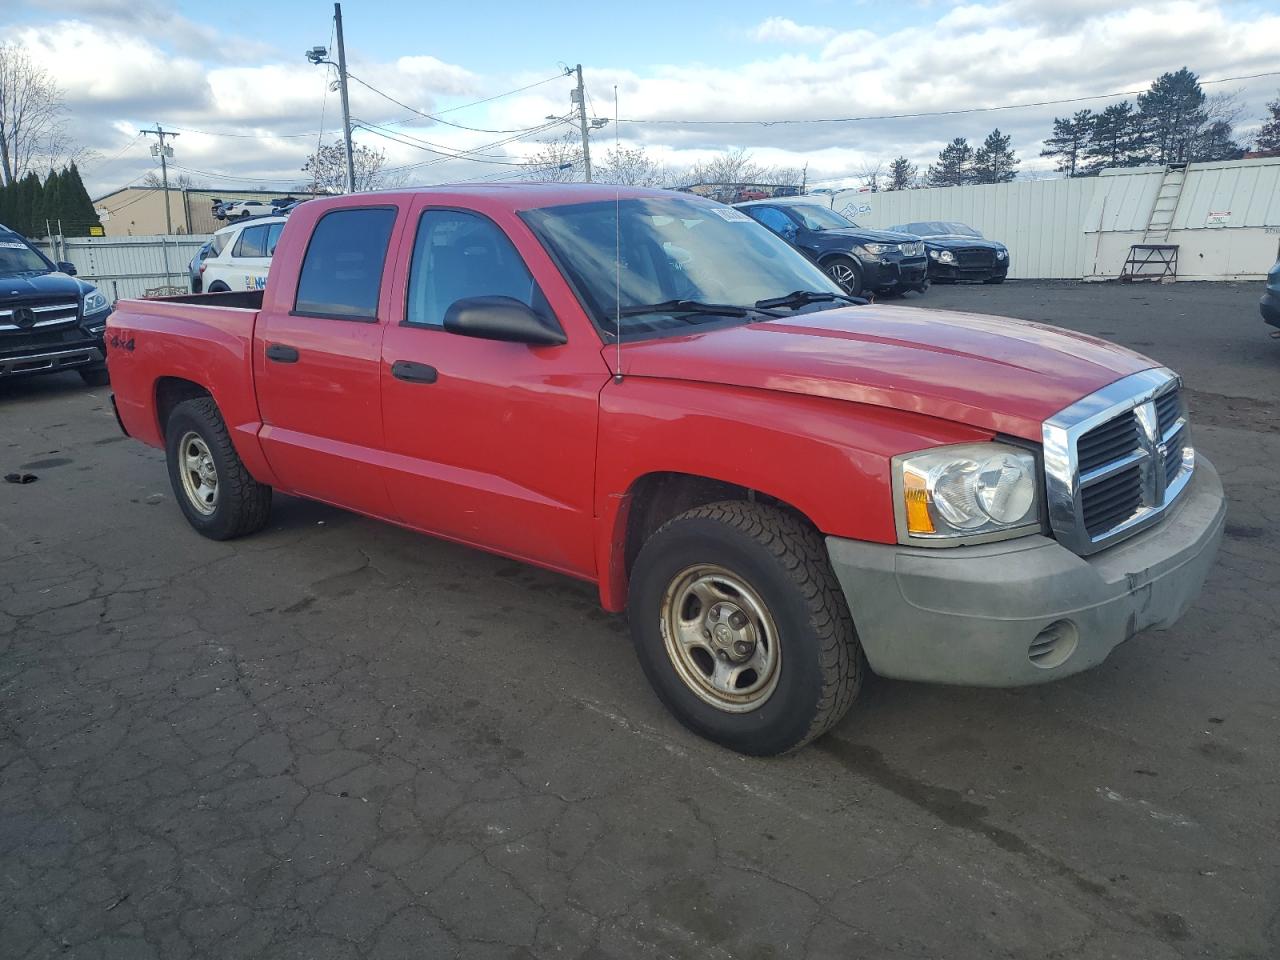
x,y
959,252
1270,302
875,261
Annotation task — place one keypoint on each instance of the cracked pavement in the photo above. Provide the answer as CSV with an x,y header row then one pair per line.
x,y
340,739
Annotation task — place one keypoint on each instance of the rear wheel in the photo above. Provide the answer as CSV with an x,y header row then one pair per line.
x,y
212,485
219,287
846,272
742,629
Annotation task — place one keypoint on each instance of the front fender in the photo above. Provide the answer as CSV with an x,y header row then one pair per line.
x,y
828,459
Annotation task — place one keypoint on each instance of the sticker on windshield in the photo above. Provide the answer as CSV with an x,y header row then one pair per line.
x,y
12,245
732,215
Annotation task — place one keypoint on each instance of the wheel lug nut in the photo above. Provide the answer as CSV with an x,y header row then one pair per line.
x,y
707,634
741,648
737,621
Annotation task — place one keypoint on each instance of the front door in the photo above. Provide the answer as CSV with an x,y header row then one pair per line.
x,y
316,359
489,443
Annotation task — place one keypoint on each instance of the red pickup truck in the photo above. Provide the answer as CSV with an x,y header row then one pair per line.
x,y
780,484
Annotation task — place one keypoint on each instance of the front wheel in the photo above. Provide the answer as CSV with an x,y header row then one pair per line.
x,y
741,627
96,376
846,272
213,487
994,280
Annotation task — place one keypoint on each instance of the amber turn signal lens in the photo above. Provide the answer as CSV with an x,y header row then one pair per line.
x,y
916,495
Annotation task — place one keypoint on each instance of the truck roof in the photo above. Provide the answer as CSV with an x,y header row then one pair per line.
x,y
521,196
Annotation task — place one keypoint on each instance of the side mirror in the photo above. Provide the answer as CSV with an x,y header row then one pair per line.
x,y
501,318
67,267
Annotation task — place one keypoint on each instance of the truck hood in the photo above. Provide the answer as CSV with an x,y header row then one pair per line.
x,y
994,373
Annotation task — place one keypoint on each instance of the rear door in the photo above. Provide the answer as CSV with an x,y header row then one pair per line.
x,y
317,351
489,443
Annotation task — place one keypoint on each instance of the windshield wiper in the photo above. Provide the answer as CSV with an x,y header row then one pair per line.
x,y
698,307
801,298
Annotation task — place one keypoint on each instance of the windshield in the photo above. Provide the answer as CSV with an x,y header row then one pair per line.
x,y
670,249
17,258
820,218
939,228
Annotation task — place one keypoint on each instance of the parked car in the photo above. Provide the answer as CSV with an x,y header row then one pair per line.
x,y
648,391
243,256
858,259
240,209
49,320
959,252
1269,305
195,268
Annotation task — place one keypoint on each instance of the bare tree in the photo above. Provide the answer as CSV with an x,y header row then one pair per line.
x,y
32,115
182,181
736,165
328,169
870,175
630,166
557,161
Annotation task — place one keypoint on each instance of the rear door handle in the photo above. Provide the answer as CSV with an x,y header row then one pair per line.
x,y
281,353
411,372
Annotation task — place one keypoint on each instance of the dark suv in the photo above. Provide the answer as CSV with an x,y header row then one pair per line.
x,y
49,320
858,259
959,252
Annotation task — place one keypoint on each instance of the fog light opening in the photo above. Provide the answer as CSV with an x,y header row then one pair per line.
x,y
1053,645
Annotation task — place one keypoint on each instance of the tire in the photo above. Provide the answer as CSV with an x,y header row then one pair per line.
x,y
219,287
922,287
850,269
219,497
95,376
794,685
994,280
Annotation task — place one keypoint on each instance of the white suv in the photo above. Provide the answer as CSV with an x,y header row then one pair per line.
x,y
244,259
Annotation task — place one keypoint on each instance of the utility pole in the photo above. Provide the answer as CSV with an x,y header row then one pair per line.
x,y
579,96
164,152
346,107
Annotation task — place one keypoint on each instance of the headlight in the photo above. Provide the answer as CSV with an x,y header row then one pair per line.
x,y
94,302
1001,253
875,249
944,256
956,494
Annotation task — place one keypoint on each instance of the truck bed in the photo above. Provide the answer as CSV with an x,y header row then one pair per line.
x,y
232,299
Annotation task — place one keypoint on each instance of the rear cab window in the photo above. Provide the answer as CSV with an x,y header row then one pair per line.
x,y
341,274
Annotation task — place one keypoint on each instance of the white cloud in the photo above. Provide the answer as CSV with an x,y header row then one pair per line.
x,y
784,30
120,73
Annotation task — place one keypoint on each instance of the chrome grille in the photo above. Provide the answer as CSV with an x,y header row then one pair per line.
x,y
40,315
1115,460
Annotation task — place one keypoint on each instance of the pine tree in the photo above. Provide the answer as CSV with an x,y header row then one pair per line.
x,y
1116,139
7,211
78,213
903,174
1071,137
1216,142
1172,113
30,209
954,166
51,200
995,161
1268,140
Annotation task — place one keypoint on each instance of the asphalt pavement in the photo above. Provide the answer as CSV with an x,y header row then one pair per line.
x,y
341,739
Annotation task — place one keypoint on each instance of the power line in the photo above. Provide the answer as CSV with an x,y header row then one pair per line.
x,y
487,146
933,113
473,154
122,152
430,116
247,136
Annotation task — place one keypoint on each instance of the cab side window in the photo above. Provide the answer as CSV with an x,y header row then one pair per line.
x,y
775,220
252,242
458,255
341,272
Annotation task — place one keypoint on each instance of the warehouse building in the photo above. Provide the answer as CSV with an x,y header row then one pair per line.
x,y
139,211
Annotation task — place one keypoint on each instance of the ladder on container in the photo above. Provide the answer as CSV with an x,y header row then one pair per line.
x,y
1155,258
1160,220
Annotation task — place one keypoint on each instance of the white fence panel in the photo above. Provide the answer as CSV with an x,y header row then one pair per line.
x,y
1041,222
128,266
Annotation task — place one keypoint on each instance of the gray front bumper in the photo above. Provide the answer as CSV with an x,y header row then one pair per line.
x,y
975,615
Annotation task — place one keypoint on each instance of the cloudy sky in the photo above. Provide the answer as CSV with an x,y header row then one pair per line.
x,y
250,108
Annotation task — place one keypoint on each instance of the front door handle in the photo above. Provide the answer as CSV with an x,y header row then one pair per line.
x,y
282,353
411,372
